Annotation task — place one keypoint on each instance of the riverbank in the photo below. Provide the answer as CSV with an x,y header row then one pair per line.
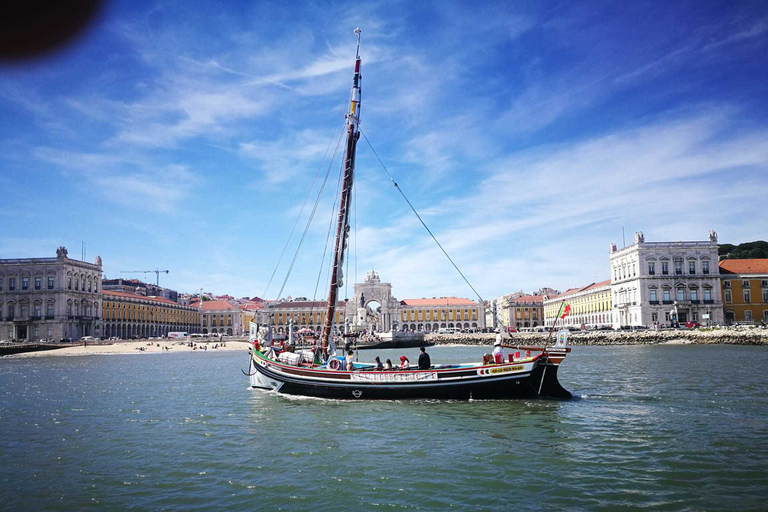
x,y
139,347
725,336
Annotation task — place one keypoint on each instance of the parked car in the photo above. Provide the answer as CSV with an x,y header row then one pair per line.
x,y
692,325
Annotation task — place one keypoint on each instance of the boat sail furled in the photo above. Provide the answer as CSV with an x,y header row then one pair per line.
x,y
342,227
533,375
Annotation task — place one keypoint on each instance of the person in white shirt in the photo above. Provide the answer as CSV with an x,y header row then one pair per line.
x,y
404,363
498,350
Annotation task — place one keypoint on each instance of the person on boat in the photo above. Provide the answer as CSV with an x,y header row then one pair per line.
x,y
350,362
498,350
379,366
404,363
424,360
388,365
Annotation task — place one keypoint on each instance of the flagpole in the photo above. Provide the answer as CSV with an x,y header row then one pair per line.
x,y
543,350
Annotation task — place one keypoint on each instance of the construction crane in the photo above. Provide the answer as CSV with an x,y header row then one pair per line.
x,y
156,271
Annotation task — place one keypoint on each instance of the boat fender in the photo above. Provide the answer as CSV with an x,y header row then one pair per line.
x,y
334,364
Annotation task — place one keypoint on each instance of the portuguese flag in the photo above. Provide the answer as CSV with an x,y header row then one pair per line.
x,y
565,310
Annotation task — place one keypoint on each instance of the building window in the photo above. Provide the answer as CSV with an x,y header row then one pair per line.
x,y
747,296
665,267
707,294
763,283
748,315
678,267
726,284
705,267
25,283
727,295
38,283
24,311
69,283
38,310
680,294
666,296
694,294
745,284
49,310
652,269
654,317
11,283
765,295
695,316
653,296
50,283
691,267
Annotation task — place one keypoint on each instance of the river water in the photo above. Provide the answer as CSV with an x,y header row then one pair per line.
x,y
657,427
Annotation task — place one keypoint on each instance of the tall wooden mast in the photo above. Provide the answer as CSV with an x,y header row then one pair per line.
x,y
342,227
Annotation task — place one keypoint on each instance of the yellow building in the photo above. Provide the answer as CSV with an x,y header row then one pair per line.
x,y
590,306
220,317
428,315
302,314
523,312
745,291
127,315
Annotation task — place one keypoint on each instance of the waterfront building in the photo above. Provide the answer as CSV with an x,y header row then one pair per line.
x,y
590,306
128,314
523,311
744,285
300,313
220,317
665,283
431,315
50,298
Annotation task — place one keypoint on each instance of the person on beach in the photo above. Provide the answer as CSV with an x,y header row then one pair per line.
x,y
388,365
379,366
424,360
404,363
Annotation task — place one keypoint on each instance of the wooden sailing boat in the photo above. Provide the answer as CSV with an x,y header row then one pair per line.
x,y
301,374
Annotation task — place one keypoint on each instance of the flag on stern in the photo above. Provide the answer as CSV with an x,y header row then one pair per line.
x,y
565,310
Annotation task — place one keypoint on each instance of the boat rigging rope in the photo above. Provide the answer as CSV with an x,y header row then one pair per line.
x,y
287,242
311,216
327,239
420,219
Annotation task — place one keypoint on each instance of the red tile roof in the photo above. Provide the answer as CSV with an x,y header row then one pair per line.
x,y
529,298
592,286
216,305
748,266
442,301
306,304
136,296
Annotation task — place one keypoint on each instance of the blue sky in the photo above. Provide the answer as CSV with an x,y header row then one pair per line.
x,y
185,135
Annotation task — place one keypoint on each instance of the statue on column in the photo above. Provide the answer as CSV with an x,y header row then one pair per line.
x,y
362,300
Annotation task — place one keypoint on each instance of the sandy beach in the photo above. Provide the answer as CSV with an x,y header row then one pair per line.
x,y
140,347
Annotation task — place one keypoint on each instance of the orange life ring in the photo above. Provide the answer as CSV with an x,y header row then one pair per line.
x,y
334,364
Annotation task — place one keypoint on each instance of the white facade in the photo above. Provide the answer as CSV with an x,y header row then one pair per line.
x,y
50,298
661,283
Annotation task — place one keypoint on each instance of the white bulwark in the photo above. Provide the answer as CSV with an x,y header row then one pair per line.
x,y
665,283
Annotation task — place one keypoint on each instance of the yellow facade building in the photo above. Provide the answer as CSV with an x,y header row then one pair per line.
x,y
745,291
522,312
127,315
429,315
590,306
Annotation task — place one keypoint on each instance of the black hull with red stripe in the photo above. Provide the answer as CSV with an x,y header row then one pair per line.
x,y
527,379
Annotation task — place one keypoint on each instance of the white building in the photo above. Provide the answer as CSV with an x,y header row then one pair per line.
x,y
50,298
665,282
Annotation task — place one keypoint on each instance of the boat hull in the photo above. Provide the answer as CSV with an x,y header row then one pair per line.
x,y
512,381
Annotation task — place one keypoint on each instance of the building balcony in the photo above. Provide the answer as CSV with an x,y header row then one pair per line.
x,y
49,317
694,301
653,302
666,302
709,302
9,318
36,317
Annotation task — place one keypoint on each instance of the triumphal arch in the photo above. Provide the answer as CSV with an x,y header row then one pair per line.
x,y
373,290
